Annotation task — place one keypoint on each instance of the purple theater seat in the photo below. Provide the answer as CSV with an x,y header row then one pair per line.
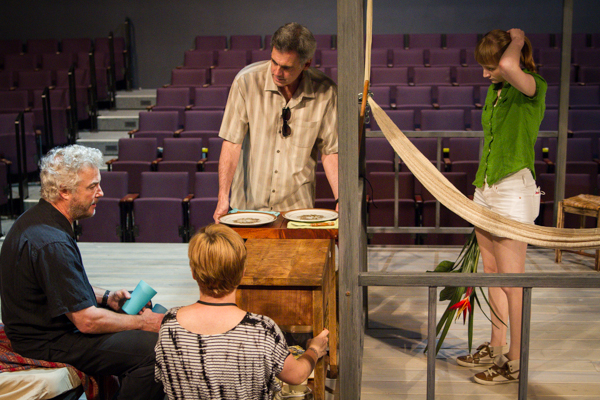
x,y
210,98
76,45
445,57
158,213
388,41
198,59
413,97
33,80
442,120
408,57
54,62
471,76
223,76
324,41
210,42
584,97
552,74
10,46
589,75
587,57
403,119
182,155
461,40
456,97
8,142
5,189
13,101
380,58
156,124
135,156
389,76
21,62
245,42
232,59
382,205
204,203
102,44
548,57
322,188
260,55
540,40
188,77
425,40
42,46
328,58
202,124
447,217
382,95
109,221
59,107
379,155
173,99
438,76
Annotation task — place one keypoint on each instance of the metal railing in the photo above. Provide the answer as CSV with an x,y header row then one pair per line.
x,y
527,281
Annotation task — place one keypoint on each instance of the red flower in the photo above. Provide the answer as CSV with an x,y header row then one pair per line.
x,y
464,305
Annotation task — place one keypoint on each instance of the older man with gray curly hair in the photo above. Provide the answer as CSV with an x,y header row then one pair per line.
x,y
50,310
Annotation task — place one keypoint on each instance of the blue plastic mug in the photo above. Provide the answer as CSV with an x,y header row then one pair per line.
x,y
142,294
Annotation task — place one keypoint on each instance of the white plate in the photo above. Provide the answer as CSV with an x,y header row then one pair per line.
x,y
247,218
310,215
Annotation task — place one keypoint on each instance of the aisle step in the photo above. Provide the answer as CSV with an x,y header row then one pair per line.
x,y
118,120
135,99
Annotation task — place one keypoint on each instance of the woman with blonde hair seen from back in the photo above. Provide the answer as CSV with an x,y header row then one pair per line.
x,y
505,183
214,350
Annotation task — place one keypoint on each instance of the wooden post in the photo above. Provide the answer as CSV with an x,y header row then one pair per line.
x,y
352,239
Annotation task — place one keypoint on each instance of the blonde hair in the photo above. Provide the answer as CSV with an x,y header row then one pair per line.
x,y
492,46
217,257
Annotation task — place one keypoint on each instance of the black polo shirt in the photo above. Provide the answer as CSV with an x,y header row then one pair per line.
x,y
41,278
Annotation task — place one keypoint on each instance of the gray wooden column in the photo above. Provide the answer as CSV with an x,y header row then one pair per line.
x,y
563,105
352,243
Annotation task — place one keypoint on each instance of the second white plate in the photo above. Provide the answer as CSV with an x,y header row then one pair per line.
x,y
310,215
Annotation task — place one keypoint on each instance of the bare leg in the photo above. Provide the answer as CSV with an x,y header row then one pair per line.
x,y
510,259
496,295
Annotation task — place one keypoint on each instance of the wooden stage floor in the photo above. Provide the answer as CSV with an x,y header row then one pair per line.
x,y
565,329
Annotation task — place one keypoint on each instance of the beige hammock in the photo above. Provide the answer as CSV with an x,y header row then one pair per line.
x,y
481,217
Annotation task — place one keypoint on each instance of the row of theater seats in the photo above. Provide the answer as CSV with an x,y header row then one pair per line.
x,y
417,207
470,97
162,210
399,40
53,54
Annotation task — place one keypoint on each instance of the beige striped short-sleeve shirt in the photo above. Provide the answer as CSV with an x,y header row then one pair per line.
x,y
275,172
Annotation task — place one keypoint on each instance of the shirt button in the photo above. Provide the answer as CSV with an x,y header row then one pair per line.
x,y
273,191
275,171
278,151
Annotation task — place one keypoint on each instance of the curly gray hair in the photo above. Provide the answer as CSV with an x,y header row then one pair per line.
x,y
59,169
295,37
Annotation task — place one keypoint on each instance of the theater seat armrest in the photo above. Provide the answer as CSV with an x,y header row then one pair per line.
x,y
187,198
418,199
149,108
130,197
177,132
155,162
447,161
5,161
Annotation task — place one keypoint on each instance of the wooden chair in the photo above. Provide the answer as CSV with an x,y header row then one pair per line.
x,y
584,205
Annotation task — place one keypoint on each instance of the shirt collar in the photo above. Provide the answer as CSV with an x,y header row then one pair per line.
x,y
305,89
57,217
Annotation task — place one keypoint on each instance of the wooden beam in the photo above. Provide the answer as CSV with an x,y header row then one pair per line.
x,y
352,241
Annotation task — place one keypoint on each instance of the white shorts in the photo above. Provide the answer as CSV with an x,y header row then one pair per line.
x,y
516,197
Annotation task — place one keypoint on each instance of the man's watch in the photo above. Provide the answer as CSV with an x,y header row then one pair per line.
x,y
104,302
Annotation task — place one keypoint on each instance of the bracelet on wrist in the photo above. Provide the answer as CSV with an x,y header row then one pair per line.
x,y
104,302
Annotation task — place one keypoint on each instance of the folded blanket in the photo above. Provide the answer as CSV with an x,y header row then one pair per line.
x,y
11,361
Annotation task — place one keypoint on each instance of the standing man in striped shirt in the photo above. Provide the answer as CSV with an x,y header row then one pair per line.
x,y
280,114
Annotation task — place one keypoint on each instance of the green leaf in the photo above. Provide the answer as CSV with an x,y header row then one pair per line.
x,y
444,266
447,293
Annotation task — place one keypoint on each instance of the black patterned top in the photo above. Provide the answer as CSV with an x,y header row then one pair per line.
x,y
241,363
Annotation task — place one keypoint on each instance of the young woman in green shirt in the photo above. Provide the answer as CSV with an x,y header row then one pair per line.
x,y
505,183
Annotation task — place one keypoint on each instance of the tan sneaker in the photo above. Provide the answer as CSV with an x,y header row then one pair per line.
x,y
503,371
483,356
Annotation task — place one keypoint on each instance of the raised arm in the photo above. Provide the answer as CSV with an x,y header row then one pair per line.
x,y
510,65
297,371
228,161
